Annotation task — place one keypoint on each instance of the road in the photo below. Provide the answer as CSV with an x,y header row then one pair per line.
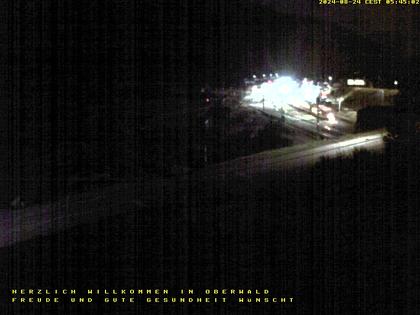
x,y
305,124
300,155
23,224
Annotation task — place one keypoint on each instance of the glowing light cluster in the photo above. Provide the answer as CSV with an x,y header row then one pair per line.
x,y
284,90
309,91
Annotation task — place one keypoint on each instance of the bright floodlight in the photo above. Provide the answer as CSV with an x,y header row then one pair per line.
x,y
284,90
395,82
308,91
330,78
285,84
263,75
254,76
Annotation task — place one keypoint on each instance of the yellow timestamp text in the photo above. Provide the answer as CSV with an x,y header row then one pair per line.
x,y
369,2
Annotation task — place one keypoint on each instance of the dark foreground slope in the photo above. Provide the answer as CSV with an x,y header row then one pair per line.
x,y
339,237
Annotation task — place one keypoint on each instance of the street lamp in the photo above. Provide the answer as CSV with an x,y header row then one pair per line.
x,y
330,78
318,100
340,100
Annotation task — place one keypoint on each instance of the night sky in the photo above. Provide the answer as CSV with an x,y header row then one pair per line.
x,y
126,42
